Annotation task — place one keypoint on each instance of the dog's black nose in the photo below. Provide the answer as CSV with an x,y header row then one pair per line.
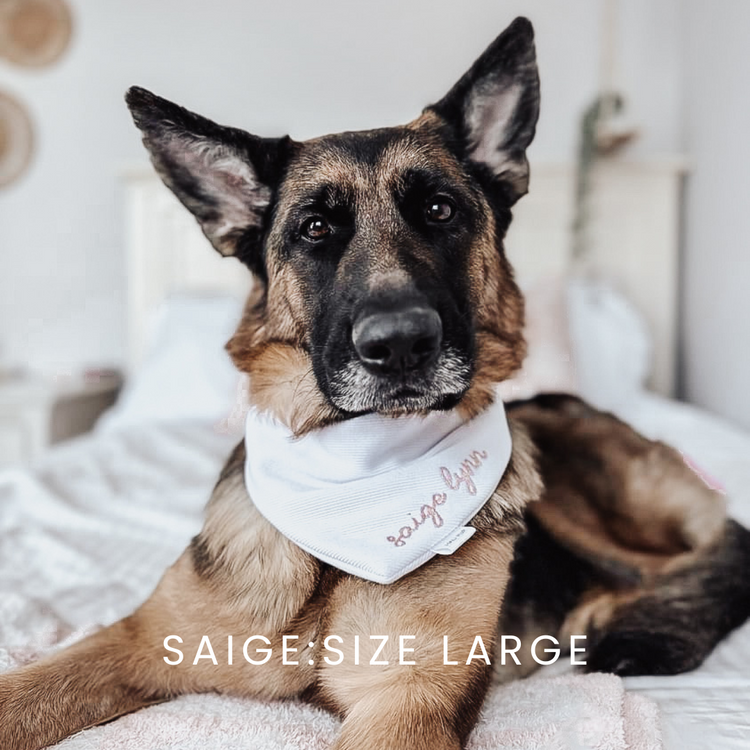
x,y
398,340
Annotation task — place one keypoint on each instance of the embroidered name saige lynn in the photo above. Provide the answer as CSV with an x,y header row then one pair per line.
x,y
377,496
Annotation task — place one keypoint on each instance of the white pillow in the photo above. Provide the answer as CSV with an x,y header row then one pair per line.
x,y
610,343
585,338
187,374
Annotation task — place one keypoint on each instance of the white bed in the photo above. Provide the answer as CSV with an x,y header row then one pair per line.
x,y
85,534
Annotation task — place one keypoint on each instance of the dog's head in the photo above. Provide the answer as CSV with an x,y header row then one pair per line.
x,y
382,284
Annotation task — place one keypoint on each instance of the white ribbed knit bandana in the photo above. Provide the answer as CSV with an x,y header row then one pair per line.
x,y
377,496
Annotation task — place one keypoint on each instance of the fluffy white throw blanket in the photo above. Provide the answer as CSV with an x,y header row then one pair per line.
x,y
572,712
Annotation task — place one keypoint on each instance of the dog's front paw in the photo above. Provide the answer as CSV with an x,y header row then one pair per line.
x,y
27,721
640,652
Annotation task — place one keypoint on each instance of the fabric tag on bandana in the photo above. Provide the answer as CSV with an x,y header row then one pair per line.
x,y
377,496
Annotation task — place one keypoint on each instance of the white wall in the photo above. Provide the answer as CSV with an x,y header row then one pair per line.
x,y
716,300
272,67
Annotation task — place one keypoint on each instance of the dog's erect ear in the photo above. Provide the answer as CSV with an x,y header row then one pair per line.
x,y
224,176
494,107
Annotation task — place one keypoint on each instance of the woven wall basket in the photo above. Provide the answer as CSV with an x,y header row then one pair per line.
x,y
16,139
34,33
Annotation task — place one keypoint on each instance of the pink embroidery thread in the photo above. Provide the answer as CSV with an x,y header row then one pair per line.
x,y
426,511
465,473
454,481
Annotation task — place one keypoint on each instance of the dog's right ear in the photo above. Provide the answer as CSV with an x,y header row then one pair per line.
x,y
224,176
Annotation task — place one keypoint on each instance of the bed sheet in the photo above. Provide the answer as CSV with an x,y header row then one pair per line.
x,y
85,535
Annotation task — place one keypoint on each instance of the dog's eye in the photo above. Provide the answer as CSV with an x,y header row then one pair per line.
x,y
439,210
316,228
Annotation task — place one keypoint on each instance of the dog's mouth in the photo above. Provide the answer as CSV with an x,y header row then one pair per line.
x,y
356,389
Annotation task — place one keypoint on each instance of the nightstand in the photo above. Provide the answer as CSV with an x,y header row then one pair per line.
x,y
36,412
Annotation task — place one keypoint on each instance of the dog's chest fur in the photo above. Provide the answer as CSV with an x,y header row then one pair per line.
x,y
239,548
263,583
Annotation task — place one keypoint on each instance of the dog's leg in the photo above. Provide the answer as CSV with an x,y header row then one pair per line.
x,y
237,578
122,668
440,611
112,672
103,676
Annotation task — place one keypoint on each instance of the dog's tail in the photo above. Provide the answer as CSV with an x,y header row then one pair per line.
x,y
676,626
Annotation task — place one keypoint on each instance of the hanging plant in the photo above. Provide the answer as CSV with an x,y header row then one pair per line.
x,y
601,136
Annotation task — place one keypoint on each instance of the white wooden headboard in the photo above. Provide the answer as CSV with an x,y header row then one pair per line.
x,y
166,254
634,240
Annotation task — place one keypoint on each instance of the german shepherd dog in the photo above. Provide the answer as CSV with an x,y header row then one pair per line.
x,y
381,285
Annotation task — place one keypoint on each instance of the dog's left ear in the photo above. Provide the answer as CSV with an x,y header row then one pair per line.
x,y
494,107
224,176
